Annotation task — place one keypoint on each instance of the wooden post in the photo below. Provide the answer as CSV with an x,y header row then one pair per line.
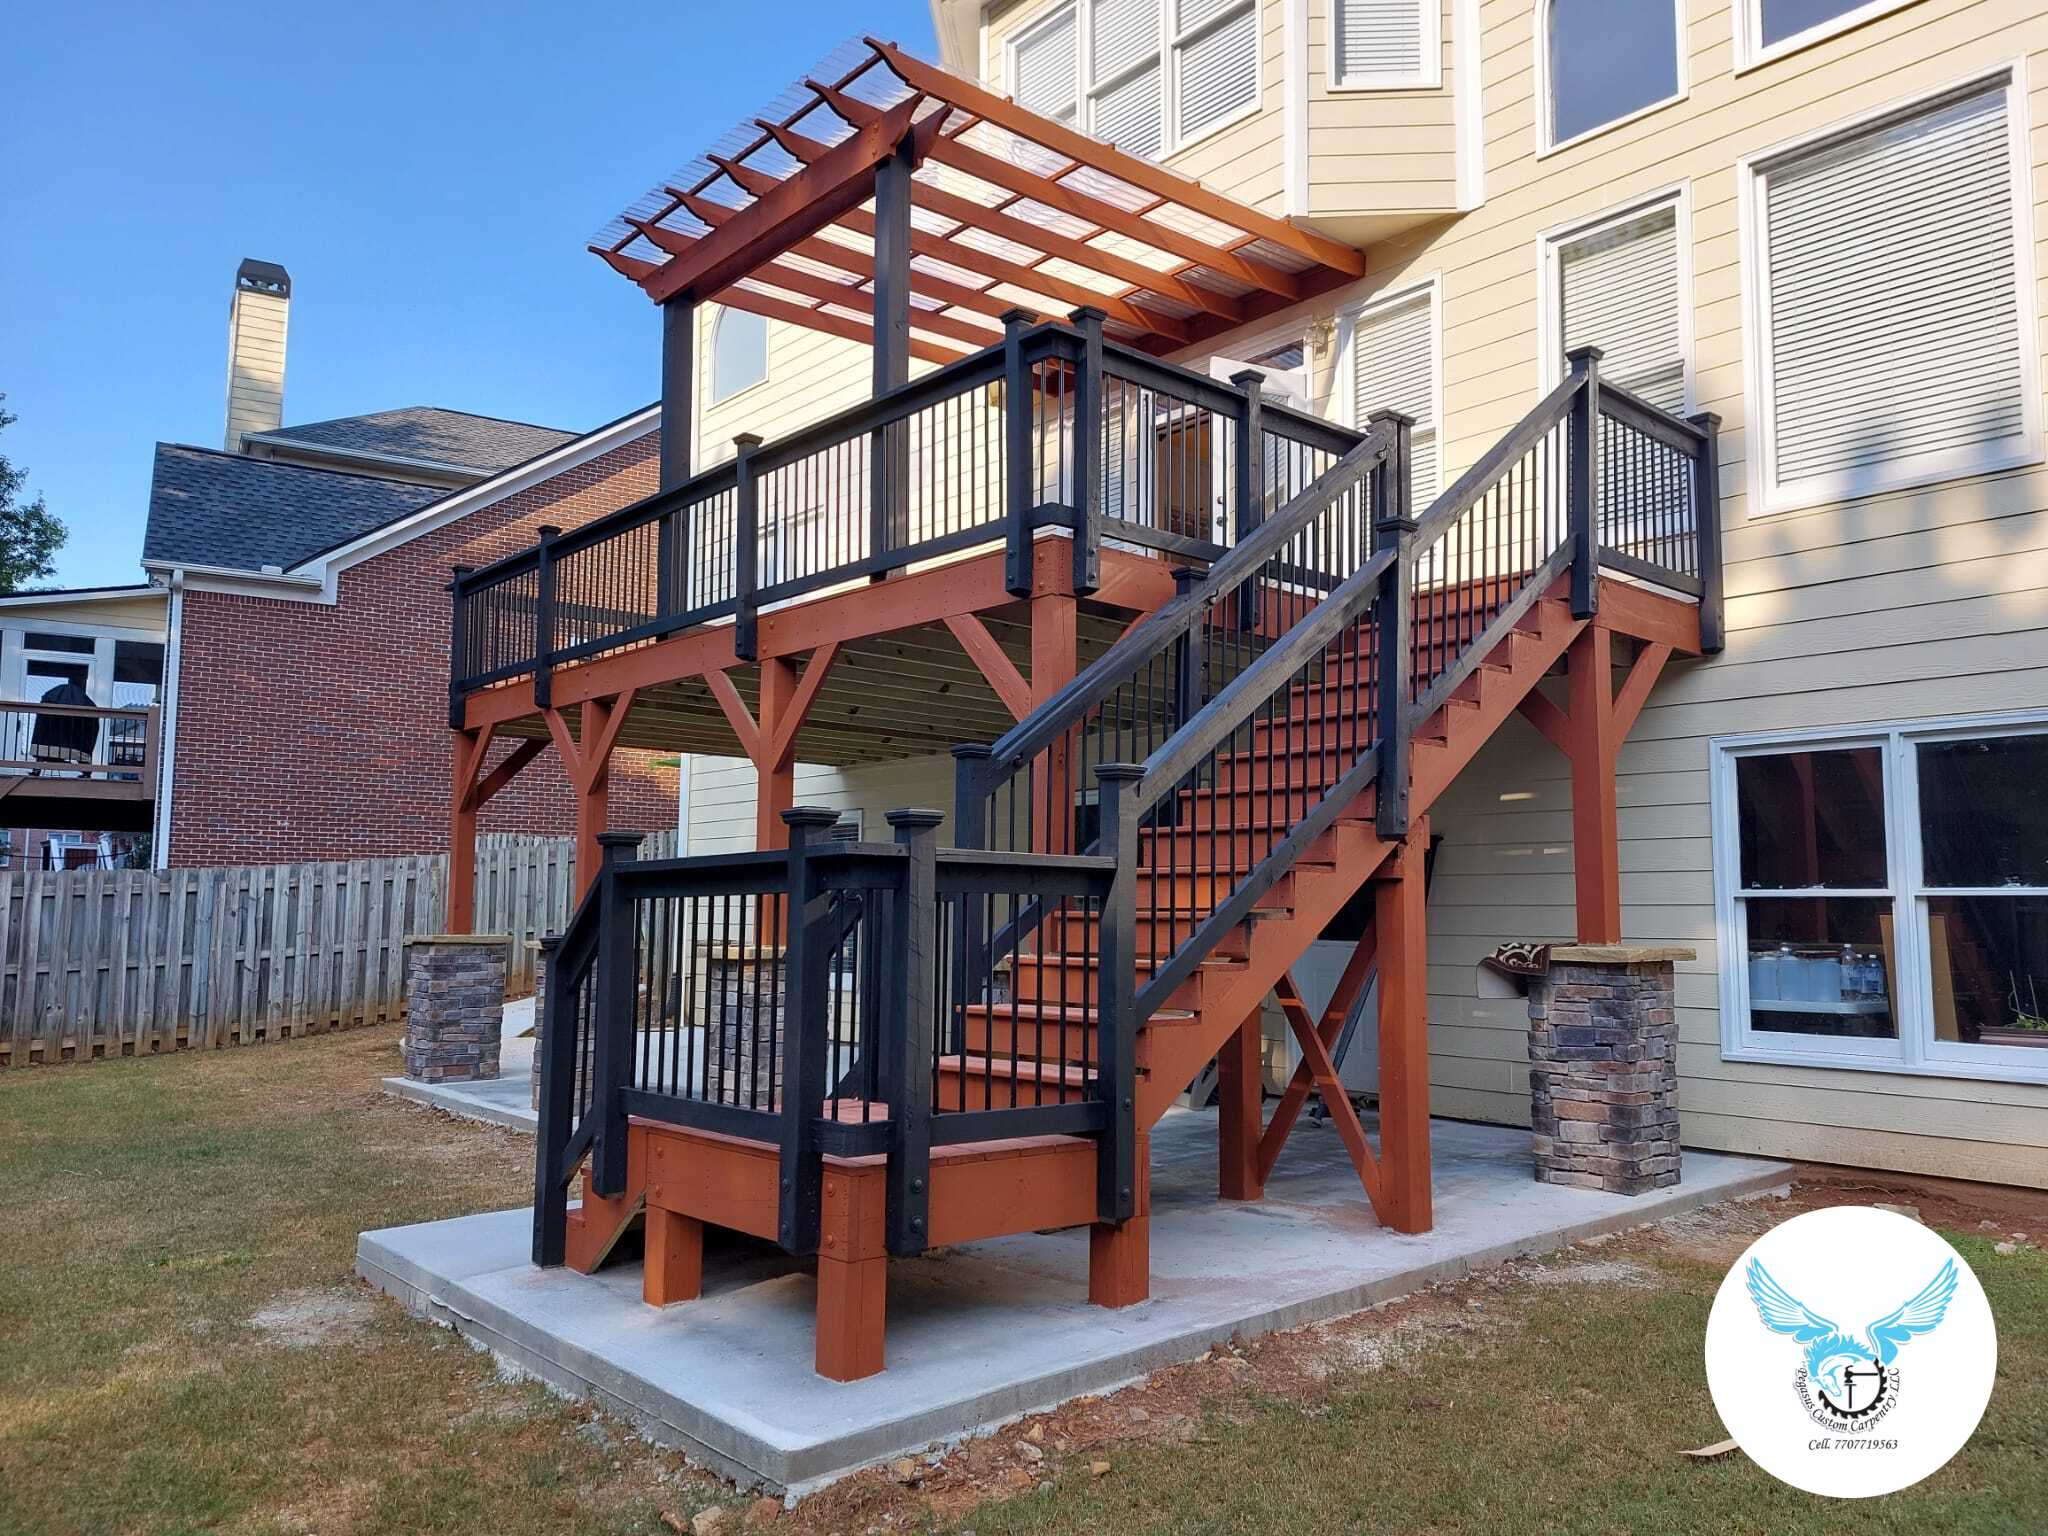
x,y
1055,620
544,617
675,1258
1117,1163
805,1048
468,745
1394,725
912,961
889,444
1596,858
1240,1070
746,550
1706,513
593,792
678,384
1088,452
1120,1253
458,652
612,1016
1585,482
775,786
1400,907
1020,464
555,1103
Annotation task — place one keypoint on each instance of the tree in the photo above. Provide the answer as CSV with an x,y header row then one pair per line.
x,y
29,536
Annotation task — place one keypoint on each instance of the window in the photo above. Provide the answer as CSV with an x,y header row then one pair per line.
x,y
739,353
1767,29
1601,62
1884,898
1378,45
1394,367
1889,302
1622,285
1149,76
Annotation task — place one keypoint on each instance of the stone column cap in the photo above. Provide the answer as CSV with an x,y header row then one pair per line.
x,y
1621,954
458,938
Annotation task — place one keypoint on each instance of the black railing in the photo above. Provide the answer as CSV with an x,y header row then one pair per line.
x,y
822,998
1051,428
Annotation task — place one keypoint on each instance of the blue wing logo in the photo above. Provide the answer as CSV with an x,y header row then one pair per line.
x,y
1852,1373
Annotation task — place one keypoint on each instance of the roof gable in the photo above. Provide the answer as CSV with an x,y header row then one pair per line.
x,y
426,434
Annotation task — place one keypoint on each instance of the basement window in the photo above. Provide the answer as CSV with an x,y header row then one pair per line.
x,y
1884,899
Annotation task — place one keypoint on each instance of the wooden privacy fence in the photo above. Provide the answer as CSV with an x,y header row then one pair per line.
x,y
98,962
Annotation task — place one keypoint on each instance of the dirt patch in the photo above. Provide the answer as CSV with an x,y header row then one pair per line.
x,y
309,1319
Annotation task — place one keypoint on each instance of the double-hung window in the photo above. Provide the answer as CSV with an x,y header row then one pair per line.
x,y
1891,316
1149,76
1884,898
1620,284
1768,29
1386,45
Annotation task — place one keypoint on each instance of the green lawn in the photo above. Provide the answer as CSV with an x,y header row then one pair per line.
x,y
183,1348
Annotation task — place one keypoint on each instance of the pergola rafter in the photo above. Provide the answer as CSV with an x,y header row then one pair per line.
x,y
1006,209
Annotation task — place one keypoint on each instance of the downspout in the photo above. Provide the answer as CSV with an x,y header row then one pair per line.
x,y
167,749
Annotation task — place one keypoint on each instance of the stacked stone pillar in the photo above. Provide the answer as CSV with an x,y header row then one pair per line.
x,y
455,1006
1603,1068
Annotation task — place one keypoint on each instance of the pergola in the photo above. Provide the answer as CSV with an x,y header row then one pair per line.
x,y
899,205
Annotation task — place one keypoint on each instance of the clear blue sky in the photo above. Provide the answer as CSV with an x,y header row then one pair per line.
x,y
427,171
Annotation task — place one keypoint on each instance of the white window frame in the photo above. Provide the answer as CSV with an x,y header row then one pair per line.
x,y
1750,52
1765,495
1551,366
1165,58
1546,108
1431,77
712,398
1916,1051
1345,386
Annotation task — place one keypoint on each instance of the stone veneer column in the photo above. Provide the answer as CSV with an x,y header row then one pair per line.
x,y
745,989
1603,1068
455,1006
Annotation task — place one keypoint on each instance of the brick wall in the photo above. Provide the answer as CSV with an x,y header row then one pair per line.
x,y
314,732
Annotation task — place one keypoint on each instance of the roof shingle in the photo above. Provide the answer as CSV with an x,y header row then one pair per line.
x,y
430,433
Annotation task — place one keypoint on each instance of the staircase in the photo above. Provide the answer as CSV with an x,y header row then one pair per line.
x,y
990,1031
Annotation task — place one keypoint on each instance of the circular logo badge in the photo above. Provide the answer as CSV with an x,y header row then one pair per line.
x,y
1850,1352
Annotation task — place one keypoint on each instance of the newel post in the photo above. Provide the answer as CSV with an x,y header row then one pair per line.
x,y
1706,522
678,378
746,550
1019,463
554,1104
1088,452
1393,527
971,760
458,646
544,618
612,1013
1116,1160
1585,482
909,1017
806,1045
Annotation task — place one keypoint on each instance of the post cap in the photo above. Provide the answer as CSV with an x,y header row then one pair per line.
x,y
1119,773
1088,314
620,844
1706,421
1582,358
747,439
973,749
1017,316
913,818
1248,378
549,531
550,942
1393,418
1395,523
809,816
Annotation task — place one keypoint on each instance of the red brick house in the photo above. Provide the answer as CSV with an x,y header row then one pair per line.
x,y
309,622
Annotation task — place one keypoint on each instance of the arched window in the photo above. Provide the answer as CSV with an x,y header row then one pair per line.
x,y
739,353
1605,60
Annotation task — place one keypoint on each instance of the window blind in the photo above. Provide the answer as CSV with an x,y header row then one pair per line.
x,y
1620,293
1218,70
1891,298
1379,42
1046,69
1393,368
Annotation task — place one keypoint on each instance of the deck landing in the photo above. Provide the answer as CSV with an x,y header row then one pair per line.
x,y
982,1334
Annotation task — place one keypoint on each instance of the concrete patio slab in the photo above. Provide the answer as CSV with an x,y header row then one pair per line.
x,y
506,1099
980,1335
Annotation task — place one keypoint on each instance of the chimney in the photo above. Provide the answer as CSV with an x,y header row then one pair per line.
x,y
256,327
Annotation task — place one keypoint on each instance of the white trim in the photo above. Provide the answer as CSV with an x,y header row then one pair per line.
x,y
1294,30
316,580
1766,498
1750,53
1550,364
1915,1051
1468,93
127,594
1546,113
1431,77
10,623
167,723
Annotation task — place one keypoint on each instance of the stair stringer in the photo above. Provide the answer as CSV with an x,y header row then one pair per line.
x,y
1442,748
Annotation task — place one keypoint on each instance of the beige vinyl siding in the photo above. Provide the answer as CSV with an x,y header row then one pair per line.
x,y
722,792
1382,152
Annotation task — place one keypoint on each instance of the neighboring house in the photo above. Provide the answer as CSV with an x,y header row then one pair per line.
x,y
1816,220
305,569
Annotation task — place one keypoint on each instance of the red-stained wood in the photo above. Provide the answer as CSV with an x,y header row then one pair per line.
x,y
675,1258
994,662
1596,857
488,787
780,748
737,715
771,308
775,787
1315,1057
1635,688
1400,916
1055,660
1239,1112
1357,974
1120,1253
1556,726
